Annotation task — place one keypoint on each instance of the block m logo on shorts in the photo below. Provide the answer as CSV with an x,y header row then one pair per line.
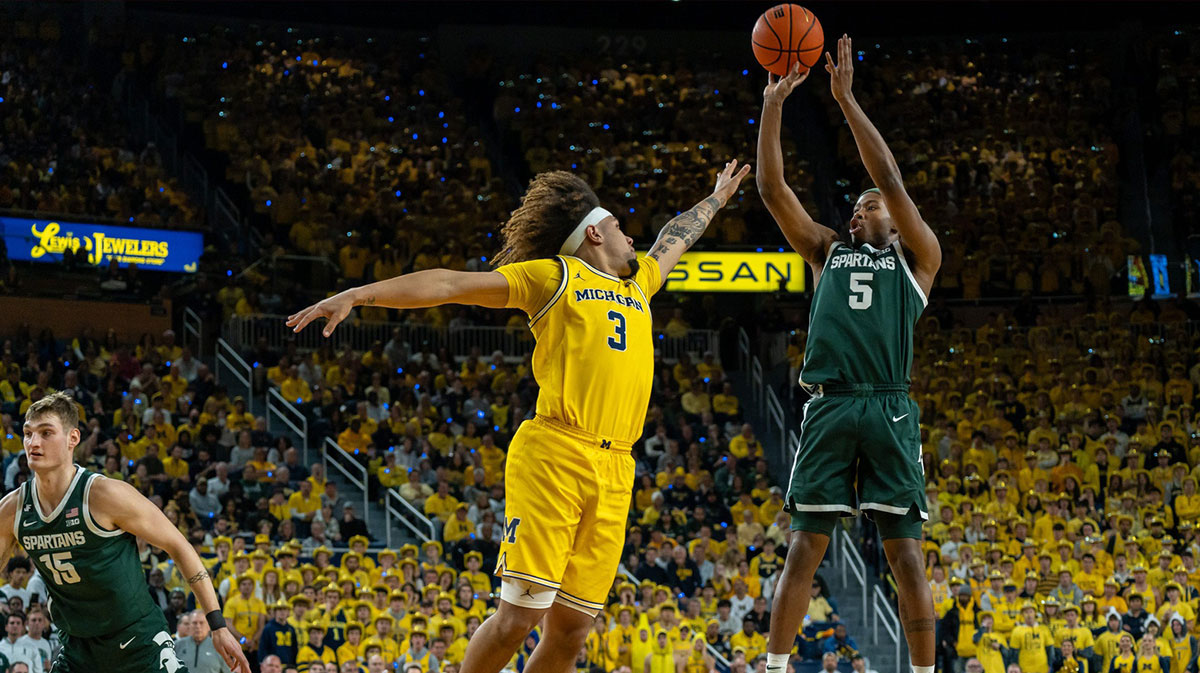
x,y
605,444
510,529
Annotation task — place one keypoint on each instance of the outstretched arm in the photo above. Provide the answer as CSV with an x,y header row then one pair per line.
x,y
806,237
915,234
686,228
415,290
116,504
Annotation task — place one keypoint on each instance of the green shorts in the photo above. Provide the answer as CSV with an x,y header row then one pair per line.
x,y
860,448
144,646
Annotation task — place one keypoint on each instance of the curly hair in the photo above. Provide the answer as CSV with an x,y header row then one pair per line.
x,y
550,210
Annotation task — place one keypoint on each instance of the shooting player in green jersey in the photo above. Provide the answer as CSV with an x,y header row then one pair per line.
x,y
80,529
860,446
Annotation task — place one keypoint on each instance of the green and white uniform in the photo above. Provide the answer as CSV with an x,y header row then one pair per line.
x,y
98,594
860,439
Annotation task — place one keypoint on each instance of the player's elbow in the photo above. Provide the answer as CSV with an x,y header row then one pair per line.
x,y
769,186
891,182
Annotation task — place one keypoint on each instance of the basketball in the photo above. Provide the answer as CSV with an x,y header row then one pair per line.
x,y
785,34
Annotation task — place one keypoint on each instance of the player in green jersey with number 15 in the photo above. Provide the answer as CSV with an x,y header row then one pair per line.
x,y
80,529
860,438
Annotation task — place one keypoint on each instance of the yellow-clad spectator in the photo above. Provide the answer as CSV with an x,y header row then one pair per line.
x,y
245,614
315,650
350,651
459,526
353,440
1030,639
390,475
990,644
305,503
441,504
295,389
745,444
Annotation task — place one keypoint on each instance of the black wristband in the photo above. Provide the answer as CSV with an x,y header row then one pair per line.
x,y
216,620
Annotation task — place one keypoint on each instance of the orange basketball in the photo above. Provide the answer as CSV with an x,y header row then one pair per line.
x,y
785,34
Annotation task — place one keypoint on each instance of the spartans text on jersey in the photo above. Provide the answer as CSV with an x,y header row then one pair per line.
x,y
862,260
53,540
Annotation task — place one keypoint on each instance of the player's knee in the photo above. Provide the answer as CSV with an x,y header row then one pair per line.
x,y
522,605
907,563
515,623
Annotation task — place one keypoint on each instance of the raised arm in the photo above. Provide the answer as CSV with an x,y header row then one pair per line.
x,y
686,228
415,290
915,234
116,504
805,235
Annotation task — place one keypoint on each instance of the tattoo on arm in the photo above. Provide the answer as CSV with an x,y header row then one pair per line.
x,y
370,301
203,574
686,227
915,625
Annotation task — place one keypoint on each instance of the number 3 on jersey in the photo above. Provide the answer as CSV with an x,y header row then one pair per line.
x,y
617,342
860,290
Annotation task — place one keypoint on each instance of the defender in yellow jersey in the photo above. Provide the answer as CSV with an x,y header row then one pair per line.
x,y
566,264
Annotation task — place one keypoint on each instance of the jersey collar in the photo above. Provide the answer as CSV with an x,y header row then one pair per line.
x,y
594,270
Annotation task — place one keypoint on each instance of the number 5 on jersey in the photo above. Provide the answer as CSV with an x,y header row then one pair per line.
x,y
860,290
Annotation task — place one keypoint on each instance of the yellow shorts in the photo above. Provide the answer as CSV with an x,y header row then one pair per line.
x,y
566,503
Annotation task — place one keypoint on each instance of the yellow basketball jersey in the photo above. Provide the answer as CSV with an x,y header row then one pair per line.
x,y
594,358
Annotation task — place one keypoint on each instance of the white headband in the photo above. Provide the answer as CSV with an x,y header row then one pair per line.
x,y
576,238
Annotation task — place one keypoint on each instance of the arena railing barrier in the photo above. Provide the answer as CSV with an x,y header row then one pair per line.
x,y
193,327
395,506
230,359
852,563
882,611
279,407
349,468
360,335
764,399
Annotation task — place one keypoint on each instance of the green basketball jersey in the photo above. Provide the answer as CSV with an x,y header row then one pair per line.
x,y
94,577
861,322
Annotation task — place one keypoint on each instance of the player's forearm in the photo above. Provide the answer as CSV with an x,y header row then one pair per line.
x,y
876,157
769,174
687,227
422,289
198,580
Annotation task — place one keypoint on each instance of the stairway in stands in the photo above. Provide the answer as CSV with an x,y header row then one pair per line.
x,y
845,586
226,366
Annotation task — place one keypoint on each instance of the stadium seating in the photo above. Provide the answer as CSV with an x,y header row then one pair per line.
x,y
66,151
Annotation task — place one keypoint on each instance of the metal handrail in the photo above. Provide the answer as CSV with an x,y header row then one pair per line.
x,y
227,355
776,416
882,610
418,528
852,561
193,325
278,405
743,349
359,475
756,383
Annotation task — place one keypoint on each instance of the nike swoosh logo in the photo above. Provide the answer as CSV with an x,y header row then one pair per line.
x,y
127,642
896,418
